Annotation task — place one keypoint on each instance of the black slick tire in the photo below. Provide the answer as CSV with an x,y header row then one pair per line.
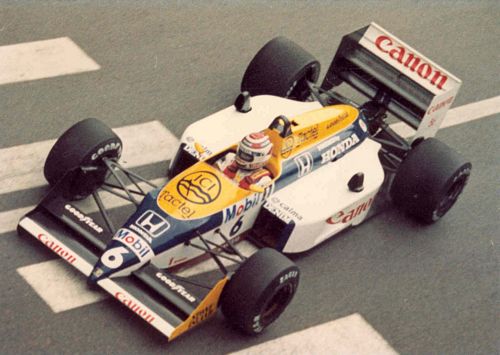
x,y
429,180
259,291
281,68
84,144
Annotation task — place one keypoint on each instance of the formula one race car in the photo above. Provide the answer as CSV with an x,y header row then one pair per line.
x,y
333,164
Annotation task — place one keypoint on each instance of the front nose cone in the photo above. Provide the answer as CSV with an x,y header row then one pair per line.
x,y
125,253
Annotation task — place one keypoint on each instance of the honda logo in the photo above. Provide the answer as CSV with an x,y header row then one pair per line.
x,y
152,223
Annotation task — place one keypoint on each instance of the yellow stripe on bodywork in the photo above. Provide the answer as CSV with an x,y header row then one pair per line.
x,y
312,127
308,129
205,310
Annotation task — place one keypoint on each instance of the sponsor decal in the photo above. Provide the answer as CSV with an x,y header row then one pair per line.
x,y
197,150
362,124
290,275
333,123
432,122
257,326
339,148
108,147
185,210
241,207
307,134
175,287
440,105
81,217
348,215
202,315
201,187
327,143
135,306
143,234
152,223
411,61
304,163
135,243
56,248
287,146
281,210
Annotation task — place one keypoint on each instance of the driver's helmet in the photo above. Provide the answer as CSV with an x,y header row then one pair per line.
x,y
254,151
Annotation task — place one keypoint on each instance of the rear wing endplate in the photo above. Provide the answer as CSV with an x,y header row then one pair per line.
x,y
387,70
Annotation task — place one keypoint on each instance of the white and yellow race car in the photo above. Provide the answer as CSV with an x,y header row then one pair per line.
x,y
333,164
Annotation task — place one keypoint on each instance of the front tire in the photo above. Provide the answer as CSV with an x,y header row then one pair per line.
x,y
429,180
77,157
281,68
259,291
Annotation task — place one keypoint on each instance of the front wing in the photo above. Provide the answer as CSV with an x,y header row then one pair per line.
x,y
166,302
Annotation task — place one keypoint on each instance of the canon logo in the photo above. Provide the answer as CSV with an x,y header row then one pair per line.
x,y
56,248
348,215
411,61
136,308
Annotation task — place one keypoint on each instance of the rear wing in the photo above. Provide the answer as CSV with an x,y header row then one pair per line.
x,y
387,70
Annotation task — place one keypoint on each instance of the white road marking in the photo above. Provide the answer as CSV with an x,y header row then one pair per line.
x,y
143,143
9,219
348,335
61,286
43,59
458,115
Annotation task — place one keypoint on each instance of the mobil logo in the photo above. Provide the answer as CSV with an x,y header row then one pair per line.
x,y
135,243
248,203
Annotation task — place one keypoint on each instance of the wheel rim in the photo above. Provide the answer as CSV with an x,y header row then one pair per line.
x,y
276,304
450,197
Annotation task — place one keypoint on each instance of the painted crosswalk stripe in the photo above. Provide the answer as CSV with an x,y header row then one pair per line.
x,y
43,59
143,144
348,335
61,286
458,115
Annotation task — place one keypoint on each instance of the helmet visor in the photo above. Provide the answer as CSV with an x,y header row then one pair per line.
x,y
245,156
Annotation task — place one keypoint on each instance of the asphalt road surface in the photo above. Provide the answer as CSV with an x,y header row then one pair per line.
x,y
424,289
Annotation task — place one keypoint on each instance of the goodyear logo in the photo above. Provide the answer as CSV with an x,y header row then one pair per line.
x,y
201,187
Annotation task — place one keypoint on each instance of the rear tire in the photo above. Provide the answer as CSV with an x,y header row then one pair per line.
x,y
281,68
429,180
84,144
259,291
